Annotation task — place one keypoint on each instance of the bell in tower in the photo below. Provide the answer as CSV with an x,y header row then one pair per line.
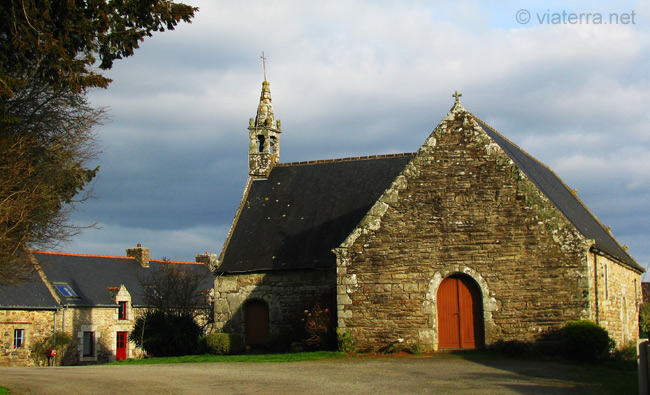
x,y
264,133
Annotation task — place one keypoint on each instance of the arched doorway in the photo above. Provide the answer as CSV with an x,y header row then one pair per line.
x,y
256,321
460,313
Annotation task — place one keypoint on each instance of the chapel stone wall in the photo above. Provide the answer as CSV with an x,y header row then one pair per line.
x,y
461,206
286,292
617,296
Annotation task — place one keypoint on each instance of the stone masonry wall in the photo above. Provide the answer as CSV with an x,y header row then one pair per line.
x,y
105,324
460,206
37,324
616,298
286,292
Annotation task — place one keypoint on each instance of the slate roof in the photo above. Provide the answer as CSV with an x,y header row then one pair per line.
x,y
562,198
32,294
295,217
90,277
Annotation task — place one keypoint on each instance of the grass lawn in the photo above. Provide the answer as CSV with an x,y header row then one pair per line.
x,y
289,357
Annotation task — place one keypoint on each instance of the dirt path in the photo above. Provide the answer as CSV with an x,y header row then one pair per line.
x,y
341,376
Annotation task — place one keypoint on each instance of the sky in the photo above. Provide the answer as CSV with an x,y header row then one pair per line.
x,y
566,81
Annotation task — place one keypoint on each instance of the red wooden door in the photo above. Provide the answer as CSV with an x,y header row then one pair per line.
x,y
257,323
460,313
120,353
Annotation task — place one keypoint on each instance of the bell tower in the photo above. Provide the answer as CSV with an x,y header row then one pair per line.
x,y
264,134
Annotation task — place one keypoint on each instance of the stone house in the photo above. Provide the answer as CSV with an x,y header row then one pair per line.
x,y
465,242
94,298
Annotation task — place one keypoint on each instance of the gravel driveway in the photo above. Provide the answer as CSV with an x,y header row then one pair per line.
x,y
439,374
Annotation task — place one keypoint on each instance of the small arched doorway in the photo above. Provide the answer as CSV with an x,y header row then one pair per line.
x,y
460,313
256,322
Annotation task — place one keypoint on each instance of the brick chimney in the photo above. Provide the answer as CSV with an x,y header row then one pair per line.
x,y
140,253
209,260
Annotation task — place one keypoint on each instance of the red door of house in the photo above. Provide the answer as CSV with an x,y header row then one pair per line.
x,y
257,323
120,353
460,313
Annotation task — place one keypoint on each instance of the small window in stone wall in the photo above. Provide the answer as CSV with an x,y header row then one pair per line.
x,y
122,311
19,338
89,344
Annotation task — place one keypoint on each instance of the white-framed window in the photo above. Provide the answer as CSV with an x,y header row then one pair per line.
x,y
19,338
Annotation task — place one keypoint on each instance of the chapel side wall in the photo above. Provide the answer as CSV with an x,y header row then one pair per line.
x,y
617,298
287,293
461,208
37,325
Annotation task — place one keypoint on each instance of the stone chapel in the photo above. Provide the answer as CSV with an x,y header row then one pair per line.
x,y
468,241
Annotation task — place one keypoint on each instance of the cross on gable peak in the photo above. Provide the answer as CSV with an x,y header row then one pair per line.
x,y
457,96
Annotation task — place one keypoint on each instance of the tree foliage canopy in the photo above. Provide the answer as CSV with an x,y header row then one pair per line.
x,y
51,53
60,40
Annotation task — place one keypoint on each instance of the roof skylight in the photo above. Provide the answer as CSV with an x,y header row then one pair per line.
x,y
66,290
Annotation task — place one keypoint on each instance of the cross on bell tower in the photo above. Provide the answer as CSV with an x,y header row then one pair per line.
x,y
264,135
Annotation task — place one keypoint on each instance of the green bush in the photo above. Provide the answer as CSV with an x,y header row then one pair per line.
x,y
346,342
218,343
584,341
58,341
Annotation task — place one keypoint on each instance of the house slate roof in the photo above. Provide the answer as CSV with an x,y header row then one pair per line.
x,y
563,198
295,217
31,294
92,276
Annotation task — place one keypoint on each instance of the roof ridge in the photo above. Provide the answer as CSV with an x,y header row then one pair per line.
x,y
110,256
84,255
180,262
347,159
